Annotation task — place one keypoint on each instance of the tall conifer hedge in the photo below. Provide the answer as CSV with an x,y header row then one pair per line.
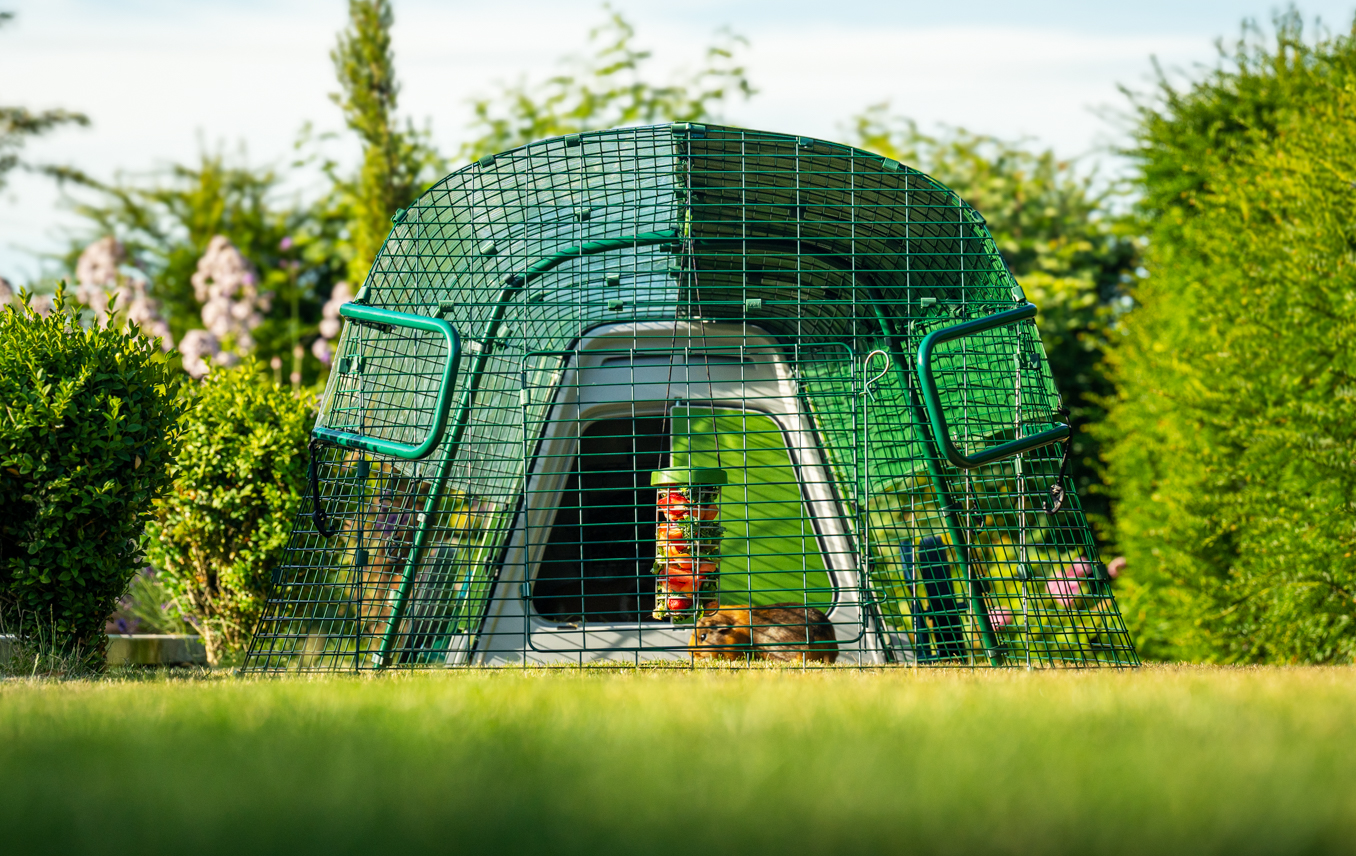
x,y
1233,432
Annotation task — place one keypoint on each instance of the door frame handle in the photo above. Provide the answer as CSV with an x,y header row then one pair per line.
x,y
932,399
408,451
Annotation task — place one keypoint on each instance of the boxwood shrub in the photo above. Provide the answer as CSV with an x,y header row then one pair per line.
x,y
88,426
238,481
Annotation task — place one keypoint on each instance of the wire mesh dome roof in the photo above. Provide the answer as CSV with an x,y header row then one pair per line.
x,y
900,333
809,231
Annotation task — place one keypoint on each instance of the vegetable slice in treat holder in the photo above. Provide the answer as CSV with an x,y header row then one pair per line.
x,y
687,541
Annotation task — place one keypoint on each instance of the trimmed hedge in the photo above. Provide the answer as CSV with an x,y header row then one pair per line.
x,y
88,426
1232,436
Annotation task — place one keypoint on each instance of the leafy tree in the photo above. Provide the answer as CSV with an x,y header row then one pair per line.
x,y
303,249
1054,228
18,124
300,248
398,163
607,89
1232,434
167,220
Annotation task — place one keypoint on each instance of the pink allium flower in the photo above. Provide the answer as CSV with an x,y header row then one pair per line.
x,y
243,313
1001,618
342,293
232,306
329,324
1065,592
1079,570
143,313
42,304
101,281
1064,588
321,349
96,274
216,317
197,347
99,262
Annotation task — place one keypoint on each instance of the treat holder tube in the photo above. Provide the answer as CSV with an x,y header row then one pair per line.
x,y
687,541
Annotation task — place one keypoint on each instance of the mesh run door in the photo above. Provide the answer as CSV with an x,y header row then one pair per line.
x,y
974,557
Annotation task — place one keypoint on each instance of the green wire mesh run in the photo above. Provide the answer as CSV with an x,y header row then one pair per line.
x,y
833,331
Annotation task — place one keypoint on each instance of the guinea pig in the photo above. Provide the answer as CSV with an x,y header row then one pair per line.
x,y
785,632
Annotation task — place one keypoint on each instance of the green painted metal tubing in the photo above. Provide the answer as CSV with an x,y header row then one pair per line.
x,y
943,488
933,400
546,263
514,284
408,451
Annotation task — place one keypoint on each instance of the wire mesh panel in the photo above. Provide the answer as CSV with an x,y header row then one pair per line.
x,y
722,394
980,562
387,384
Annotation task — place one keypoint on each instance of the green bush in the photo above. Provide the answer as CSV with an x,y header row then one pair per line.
x,y
1234,427
239,478
88,424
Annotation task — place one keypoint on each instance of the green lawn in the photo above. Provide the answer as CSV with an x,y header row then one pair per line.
x,y
1155,761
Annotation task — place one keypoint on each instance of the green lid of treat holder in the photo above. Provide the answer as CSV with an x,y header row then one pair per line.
x,y
693,475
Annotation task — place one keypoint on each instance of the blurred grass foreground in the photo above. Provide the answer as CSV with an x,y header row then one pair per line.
x,y
1162,760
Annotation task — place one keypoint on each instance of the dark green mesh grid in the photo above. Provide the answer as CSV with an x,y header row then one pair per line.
x,y
724,297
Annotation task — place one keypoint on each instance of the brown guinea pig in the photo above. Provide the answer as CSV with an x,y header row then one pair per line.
x,y
784,631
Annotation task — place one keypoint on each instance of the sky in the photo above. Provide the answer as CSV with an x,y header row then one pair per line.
x,y
163,79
